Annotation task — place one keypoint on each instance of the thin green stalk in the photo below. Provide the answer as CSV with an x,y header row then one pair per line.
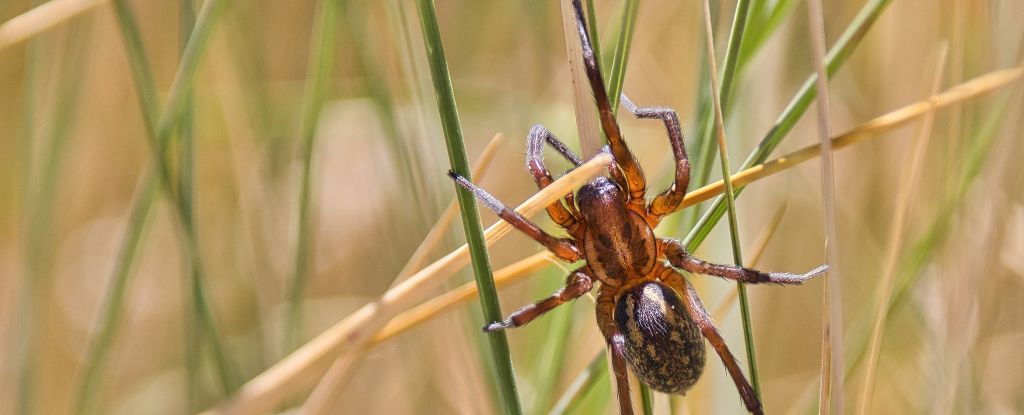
x,y
321,63
735,62
732,53
377,89
596,373
746,38
160,138
113,301
791,114
40,217
620,56
718,94
552,352
186,150
646,399
501,360
22,356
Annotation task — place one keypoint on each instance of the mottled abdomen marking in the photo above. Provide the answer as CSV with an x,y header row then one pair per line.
x,y
664,347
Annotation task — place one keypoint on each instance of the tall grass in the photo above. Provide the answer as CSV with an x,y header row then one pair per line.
x,y
173,179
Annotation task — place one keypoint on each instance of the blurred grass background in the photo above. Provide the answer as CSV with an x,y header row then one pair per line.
x,y
77,153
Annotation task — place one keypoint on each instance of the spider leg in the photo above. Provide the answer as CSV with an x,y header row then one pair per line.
x,y
535,141
635,182
539,135
677,256
563,248
616,346
700,316
671,199
576,285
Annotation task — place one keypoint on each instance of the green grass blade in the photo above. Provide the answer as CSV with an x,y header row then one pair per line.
x,y
321,62
623,41
501,360
377,87
646,399
23,330
738,54
552,351
40,216
791,114
113,300
722,91
732,53
186,151
596,373
160,137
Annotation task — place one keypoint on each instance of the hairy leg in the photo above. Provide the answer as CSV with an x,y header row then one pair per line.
x,y
535,141
671,199
635,183
616,346
700,316
564,248
677,256
576,285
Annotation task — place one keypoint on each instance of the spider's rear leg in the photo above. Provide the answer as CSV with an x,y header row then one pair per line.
x,y
563,248
671,199
576,285
700,316
616,346
677,256
535,141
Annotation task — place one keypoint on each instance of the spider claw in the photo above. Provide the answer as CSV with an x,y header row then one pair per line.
x,y
796,279
495,326
819,271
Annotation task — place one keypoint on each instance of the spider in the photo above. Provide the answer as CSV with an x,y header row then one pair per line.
x,y
649,315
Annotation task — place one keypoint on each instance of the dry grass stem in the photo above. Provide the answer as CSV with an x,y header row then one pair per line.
x,y
831,395
908,183
502,278
41,18
587,124
887,122
268,389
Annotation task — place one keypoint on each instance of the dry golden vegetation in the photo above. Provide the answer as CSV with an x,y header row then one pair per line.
x,y
295,245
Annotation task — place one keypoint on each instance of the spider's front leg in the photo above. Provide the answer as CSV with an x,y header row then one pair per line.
x,y
700,316
671,199
616,346
677,256
635,183
564,248
535,140
576,285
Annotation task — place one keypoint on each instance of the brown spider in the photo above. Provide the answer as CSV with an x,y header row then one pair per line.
x,y
650,316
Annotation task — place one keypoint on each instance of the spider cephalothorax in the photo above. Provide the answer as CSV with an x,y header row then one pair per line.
x,y
647,312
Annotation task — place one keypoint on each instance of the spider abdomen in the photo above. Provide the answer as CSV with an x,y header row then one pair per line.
x,y
663,346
